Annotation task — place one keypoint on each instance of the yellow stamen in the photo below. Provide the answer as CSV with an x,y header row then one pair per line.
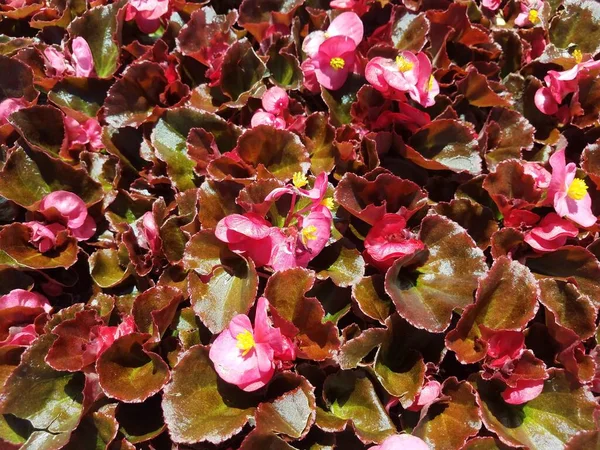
x,y
337,63
326,35
430,84
245,342
534,16
577,55
299,180
328,203
404,65
309,233
577,189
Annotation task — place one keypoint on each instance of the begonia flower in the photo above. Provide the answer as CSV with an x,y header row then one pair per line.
x,y
68,209
105,335
148,233
81,55
359,7
408,73
569,194
44,236
334,61
492,5
551,233
389,240
347,24
530,14
316,194
504,346
430,391
24,299
20,336
275,101
401,442
80,134
147,13
9,106
247,356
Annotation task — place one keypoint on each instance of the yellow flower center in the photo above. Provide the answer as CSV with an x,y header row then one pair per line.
x,y
299,180
337,63
309,233
534,16
577,55
578,189
328,203
326,35
245,342
430,84
404,65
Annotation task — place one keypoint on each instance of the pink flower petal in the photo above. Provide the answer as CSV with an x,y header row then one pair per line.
x,y
9,106
402,442
275,100
23,298
82,57
347,24
523,392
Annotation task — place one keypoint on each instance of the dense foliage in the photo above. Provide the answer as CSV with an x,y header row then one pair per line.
x,y
299,224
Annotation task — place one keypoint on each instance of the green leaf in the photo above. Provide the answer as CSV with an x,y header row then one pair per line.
x,y
16,80
242,69
230,291
101,28
441,280
549,421
578,23
204,252
109,267
286,291
28,176
279,151
339,102
409,31
42,127
446,144
197,406
318,137
354,350
154,310
51,401
130,373
458,412
352,397
506,299
370,296
347,269
478,220
80,98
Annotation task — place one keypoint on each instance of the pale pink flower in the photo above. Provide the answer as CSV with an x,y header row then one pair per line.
x,y
9,106
531,13
334,61
551,233
81,55
275,102
147,13
569,194
90,132
20,298
408,73
261,117
389,240
68,209
347,24
44,236
402,442
523,391
427,395
246,356
492,5
57,65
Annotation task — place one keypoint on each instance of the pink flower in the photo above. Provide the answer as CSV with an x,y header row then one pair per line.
x,y
44,236
316,194
347,24
409,73
90,132
275,102
360,7
309,76
68,209
569,194
334,61
428,393
389,240
148,233
147,13
540,175
402,442
249,235
551,233
248,357
505,346
81,55
523,392
530,14
492,5
9,106
56,63
20,336
25,299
